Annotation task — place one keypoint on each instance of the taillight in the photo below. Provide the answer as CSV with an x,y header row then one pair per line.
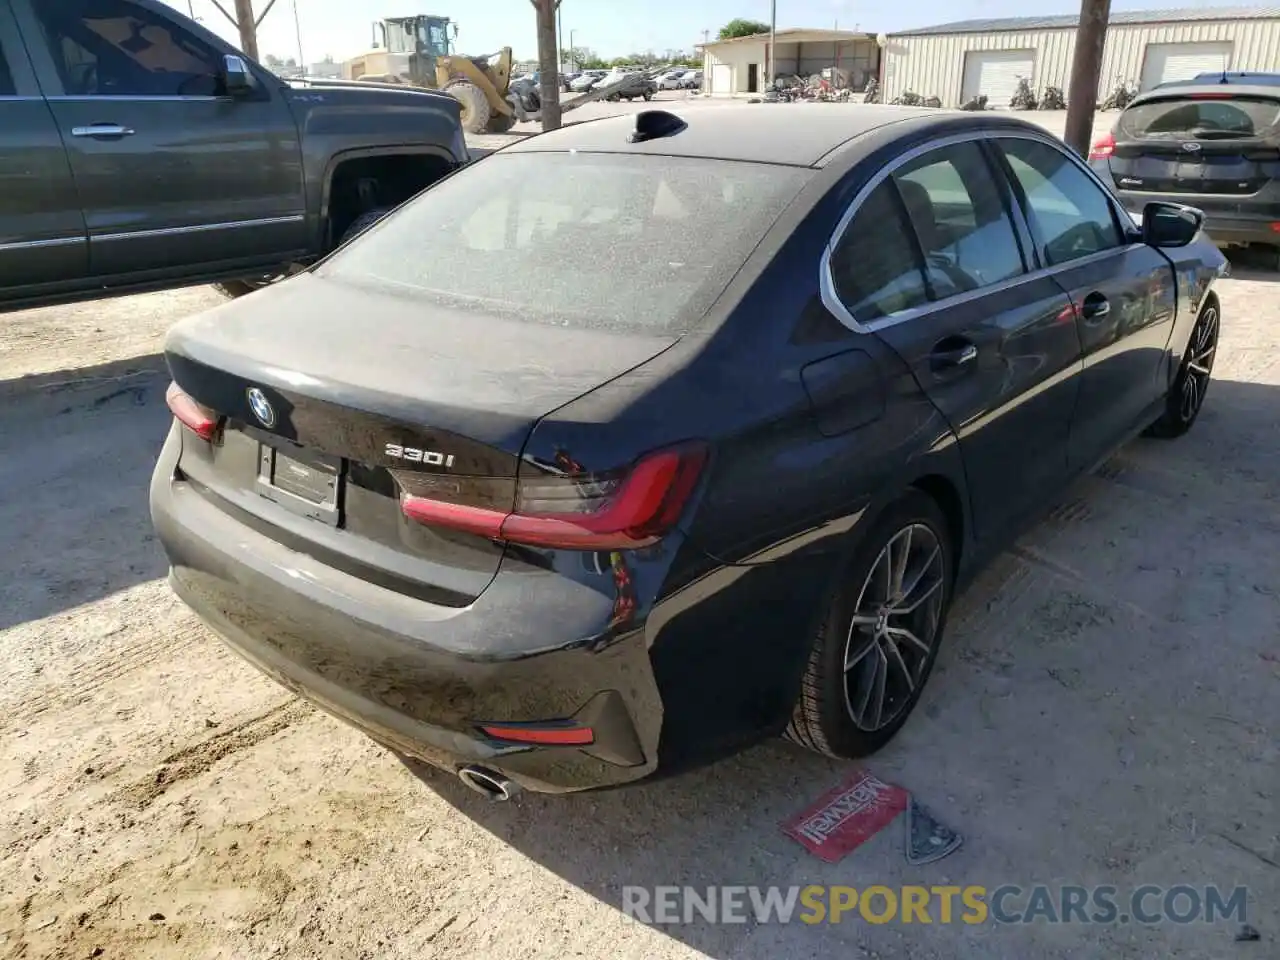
x,y
617,510
196,417
1104,148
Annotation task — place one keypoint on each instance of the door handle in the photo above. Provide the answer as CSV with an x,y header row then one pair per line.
x,y
946,357
102,130
1095,307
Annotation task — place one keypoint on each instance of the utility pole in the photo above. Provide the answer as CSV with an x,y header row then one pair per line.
x,y
773,35
548,62
559,39
246,23
248,27
1086,67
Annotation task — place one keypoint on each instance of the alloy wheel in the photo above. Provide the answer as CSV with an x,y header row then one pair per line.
x,y
894,627
1199,364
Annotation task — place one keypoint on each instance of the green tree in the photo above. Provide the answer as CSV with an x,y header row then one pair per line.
x,y
742,28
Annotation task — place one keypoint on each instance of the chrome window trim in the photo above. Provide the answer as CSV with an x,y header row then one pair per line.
x,y
199,228
125,98
40,244
826,281
20,99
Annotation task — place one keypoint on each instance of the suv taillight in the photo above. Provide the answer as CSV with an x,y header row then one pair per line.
x,y
618,510
1104,148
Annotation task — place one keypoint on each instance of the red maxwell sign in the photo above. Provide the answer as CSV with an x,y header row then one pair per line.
x,y
847,816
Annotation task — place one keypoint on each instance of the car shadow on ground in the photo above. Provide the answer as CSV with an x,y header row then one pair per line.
x,y
76,452
1076,730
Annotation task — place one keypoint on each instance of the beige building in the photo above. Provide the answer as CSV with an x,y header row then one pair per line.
x,y
741,65
958,61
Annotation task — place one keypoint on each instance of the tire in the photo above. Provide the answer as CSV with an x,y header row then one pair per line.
x,y
1186,394
235,289
826,715
476,111
501,122
362,223
613,98
648,95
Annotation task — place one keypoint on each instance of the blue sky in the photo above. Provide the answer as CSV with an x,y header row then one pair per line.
x,y
610,27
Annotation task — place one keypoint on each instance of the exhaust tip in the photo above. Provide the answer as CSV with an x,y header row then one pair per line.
x,y
488,783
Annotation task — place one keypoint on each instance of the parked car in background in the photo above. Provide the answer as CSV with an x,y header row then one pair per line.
x,y
672,80
567,79
635,86
676,496
1227,79
1211,145
692,80
165,157
587,80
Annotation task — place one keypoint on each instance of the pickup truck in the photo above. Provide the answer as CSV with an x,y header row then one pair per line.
x,y
139,151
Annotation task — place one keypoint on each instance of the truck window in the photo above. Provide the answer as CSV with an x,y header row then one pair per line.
x,y
114,48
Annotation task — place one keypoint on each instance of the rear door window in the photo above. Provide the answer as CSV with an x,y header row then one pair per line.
x,y
612,241
956,210
1200,118
1074,215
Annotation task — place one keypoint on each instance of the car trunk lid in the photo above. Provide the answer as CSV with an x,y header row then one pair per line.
x,y
335,400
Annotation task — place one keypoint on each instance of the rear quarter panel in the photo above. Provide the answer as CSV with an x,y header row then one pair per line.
x,y
814,430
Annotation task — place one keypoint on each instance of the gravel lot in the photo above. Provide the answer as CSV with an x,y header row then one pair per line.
x,y
1106,710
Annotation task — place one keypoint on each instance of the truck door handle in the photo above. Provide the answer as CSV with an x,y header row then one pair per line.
x,y
1095,307
106,130
949,355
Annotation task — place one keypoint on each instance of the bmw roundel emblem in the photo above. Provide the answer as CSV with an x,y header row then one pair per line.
x,y
261,407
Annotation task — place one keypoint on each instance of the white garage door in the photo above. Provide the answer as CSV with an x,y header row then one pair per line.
x,y
1182,61
722,78
995,73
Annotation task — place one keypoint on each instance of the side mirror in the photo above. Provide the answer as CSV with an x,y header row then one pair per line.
x,y
1170,224
237,78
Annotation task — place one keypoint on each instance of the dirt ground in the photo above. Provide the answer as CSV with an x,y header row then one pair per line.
x,y
1105,710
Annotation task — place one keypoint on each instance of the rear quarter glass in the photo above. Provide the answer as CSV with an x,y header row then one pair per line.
x,y
616,242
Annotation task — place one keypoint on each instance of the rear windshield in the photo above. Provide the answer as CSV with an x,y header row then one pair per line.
x,y
640,244
1201,118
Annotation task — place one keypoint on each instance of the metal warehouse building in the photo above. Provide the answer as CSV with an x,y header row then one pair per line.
x,y
958,61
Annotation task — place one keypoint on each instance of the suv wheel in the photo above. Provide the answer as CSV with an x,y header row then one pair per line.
x,y
878,642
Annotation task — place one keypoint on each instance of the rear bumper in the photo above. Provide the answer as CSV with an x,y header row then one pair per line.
x,y
1237,225
414,676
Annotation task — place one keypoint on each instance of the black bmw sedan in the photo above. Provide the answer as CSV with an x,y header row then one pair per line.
x,y
640,441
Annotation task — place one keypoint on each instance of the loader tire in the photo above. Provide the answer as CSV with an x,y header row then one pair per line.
x,y
475,105
501,122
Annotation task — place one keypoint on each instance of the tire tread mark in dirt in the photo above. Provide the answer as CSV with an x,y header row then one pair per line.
x,y
83,684
191,762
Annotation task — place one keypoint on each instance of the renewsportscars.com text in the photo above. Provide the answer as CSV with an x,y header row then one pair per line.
x,y
973,904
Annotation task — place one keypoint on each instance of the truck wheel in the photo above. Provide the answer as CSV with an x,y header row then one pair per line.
x,y
363,223
475,105
613,98
648,95
239,288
